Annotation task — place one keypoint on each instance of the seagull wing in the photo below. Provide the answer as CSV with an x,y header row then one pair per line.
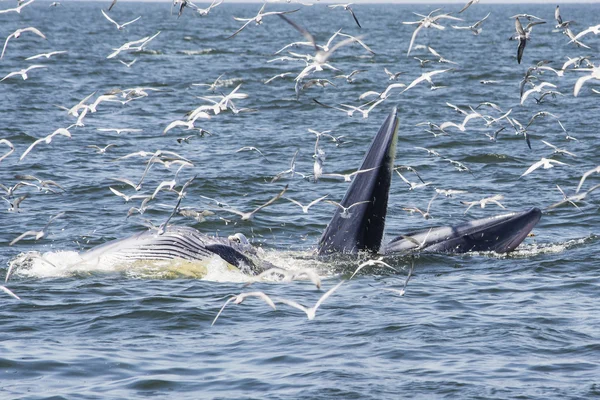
x,y
239,30
307,35
31,148
326,295
533,167
131,22
109,18
580,83
273,200
412,39
520,49
466,6
354,16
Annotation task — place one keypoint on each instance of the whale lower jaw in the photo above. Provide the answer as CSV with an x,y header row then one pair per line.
x,y
501,234
177,242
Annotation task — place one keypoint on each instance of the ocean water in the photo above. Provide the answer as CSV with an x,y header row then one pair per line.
x,y
522,325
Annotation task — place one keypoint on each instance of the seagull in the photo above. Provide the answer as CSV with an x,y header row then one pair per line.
x,y
127,198
412,185
321,54
23,72
47,140
277,76
346,210
10,191
494,136
557,150
11,147
171,184
101,150
119,26
4,288
544,162
469,4
572,199
560,24
571,35
585,175
348,177
592,29
118,131
258,18
425,77
595,74
494,199
291,171
47,55
346,7
403,290
350,77
537,88
18,9
392,76
450,192
427,21
426,213
205,11
350,110
129,64
217,202
430,152
246,216
136,45
544,114
37,234
310,312
43,183
373,263
237,299
475,28
18,33
522,37
461,126
383,95
251,148
440,58
305,208
15,204
529,17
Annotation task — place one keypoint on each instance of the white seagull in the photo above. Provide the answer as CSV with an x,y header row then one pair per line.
x,y
46,55
16,34
237,299
18,9
310,312
119,26
544,162
47,140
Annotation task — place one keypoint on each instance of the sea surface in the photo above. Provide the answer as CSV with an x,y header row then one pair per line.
x,y
474,326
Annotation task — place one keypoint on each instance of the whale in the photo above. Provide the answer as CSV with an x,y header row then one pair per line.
x,y
364,230
359,228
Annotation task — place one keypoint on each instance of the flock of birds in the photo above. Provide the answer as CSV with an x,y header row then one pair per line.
x,y
315,69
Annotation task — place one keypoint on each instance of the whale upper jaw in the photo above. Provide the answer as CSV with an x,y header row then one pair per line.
x,y
363,230
501,234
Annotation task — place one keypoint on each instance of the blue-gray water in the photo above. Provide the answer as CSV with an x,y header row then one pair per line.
x,y
524,325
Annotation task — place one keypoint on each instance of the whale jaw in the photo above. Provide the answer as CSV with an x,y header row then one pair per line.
x,y
501,234
363,229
